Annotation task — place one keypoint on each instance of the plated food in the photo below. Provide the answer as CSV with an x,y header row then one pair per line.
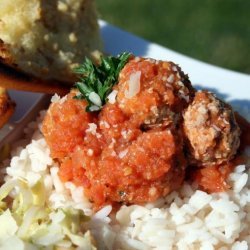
x,y
141,158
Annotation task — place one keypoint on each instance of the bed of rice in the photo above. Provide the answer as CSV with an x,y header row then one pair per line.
x,y
187,219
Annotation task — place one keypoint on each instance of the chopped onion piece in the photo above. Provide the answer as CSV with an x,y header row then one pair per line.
x,y
95,98
94,108
112,96
134,85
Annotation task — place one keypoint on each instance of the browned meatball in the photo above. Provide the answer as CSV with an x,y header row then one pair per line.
x,y
211,130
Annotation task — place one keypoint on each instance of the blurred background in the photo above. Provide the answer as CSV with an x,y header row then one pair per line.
x,y
214,31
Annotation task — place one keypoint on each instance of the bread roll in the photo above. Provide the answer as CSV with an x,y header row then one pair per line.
x,y
47,38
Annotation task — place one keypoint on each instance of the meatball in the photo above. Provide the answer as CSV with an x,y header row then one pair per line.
x,y
128,152
150,167
154,91
213,135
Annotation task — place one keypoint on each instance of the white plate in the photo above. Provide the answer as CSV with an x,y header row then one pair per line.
x,y
232,86
229,85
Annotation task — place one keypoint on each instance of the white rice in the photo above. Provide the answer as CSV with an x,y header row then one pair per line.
x,y
187,219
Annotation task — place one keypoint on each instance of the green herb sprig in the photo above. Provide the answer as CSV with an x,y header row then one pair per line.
x,y
96,81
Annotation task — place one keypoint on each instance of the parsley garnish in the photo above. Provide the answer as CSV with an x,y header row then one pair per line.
x,y
96,81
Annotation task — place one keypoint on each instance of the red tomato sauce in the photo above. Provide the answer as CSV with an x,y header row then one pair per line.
x,y
108,153
113,157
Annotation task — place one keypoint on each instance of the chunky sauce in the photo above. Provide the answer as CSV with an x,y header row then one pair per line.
x,y
110,153
132,150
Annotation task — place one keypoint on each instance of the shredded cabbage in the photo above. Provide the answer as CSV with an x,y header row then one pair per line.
x,y
8,226
29,223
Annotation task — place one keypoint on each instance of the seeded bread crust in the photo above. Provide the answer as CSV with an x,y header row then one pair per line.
x,y
47,39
